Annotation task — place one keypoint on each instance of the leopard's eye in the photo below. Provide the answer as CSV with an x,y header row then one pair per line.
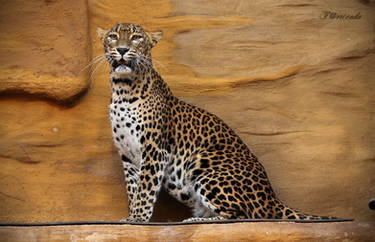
x,y
113,36
136,37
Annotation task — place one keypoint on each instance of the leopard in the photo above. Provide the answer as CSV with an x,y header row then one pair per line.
x,y
167,143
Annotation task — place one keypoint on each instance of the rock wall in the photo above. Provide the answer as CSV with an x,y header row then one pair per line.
x,y
294,81
43,47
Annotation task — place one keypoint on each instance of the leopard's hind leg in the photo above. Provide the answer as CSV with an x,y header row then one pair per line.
x,y
206,207
203,210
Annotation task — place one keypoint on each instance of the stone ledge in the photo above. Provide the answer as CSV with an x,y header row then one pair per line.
x,y
241,231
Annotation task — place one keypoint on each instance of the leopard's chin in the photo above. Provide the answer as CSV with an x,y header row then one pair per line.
x,y
129,75
123,69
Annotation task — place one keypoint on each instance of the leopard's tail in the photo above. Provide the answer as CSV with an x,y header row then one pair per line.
x,y
281,211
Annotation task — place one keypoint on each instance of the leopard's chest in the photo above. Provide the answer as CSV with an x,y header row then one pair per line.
x,y
127,128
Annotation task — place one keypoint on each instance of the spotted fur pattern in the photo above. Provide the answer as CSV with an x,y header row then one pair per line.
x,y
164,141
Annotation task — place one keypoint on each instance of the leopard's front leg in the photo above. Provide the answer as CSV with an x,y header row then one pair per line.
x,y
131,173
148,185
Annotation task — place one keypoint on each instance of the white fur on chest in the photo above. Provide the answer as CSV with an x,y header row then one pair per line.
x,y
124,121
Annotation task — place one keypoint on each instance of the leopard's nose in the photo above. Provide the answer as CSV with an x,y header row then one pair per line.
x,y
122,50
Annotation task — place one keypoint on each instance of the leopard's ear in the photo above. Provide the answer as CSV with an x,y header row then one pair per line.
x,y
155,36
101,33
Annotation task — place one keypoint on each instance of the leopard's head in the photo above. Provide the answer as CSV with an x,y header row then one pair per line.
x,y
127,48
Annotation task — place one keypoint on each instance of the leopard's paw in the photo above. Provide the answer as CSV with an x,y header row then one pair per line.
x,y
132,219
197,219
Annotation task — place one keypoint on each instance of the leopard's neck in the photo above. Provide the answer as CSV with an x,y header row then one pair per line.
x,y
146,83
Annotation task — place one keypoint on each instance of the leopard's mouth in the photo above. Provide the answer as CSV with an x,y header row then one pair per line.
x,y
122,66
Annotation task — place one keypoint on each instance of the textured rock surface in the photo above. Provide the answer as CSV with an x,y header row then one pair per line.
x,y
44,47
208,232
297,88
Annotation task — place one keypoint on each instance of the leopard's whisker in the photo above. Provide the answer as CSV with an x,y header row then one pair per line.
x,y
153,60
92,62
142,64
139,61
100,63
159,63
144,59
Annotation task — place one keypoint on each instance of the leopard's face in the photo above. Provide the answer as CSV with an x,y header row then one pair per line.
x,y
127,48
